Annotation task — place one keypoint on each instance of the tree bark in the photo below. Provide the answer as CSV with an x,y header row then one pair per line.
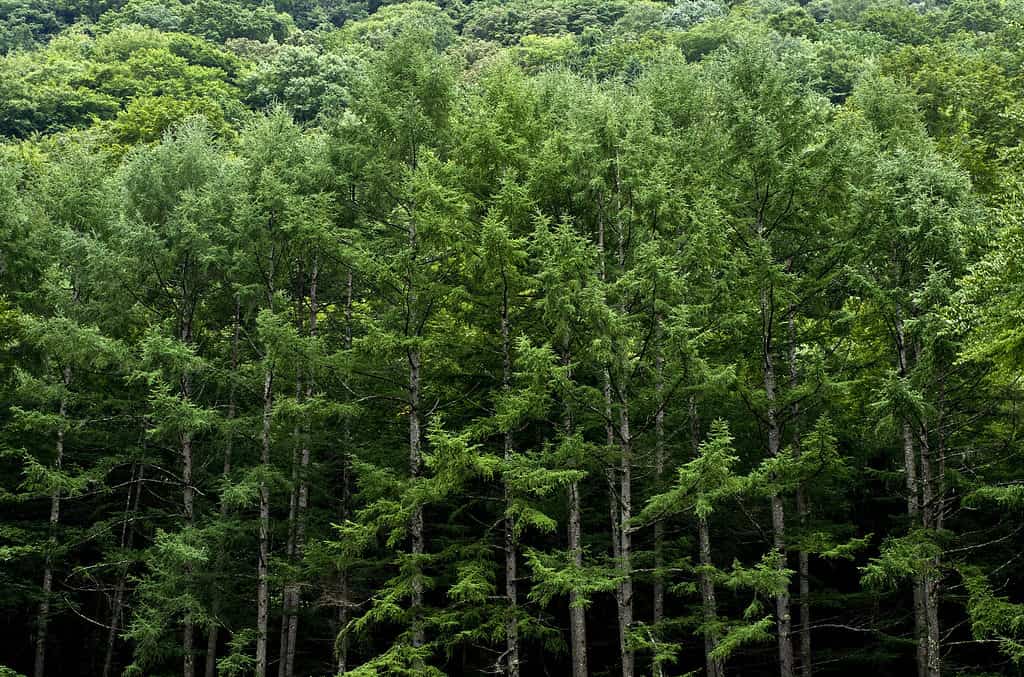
x,y
43,617
930,580
416,526
709,606
127,536
658,592
188,501
213,631
262,577
288,589
302,499
299,496
188,630
511,592
577,613
802,511
344,602
782,600
415,460
913,504
625,601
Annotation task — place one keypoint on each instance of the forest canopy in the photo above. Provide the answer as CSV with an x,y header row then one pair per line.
x,y
526,337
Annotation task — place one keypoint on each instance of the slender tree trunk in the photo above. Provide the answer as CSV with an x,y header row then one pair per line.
x,y
302,497
131,508
619,491
913,512
188,631
262,573
658,592
803,513
577,612
188,501
288,589
709,605
511,575
613,491
415,460
416,527
930,579
43,617
289,594
913,506
115,625
213,631
625,550
343,577
782,601
803,571
931,508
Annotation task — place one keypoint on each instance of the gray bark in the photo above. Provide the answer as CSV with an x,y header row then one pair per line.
x,y
511,592
658,593
782,600
344,602
416,526
803,513
188,501
262,573
290,626
213,631
625,598
930,580
709,605
913,505
43,617
577,614
117,605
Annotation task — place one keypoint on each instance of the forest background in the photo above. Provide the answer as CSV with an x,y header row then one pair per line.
x,y
541,337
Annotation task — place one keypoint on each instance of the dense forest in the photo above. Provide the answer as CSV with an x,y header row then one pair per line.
x,y
526,337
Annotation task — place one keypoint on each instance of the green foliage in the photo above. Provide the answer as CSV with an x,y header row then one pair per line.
x,y
994,617
421,284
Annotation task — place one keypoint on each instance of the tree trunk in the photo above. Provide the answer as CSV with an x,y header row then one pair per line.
x,y
43,618
930,580
913,506
416,526
709,606
262,578
658,592
288,589
913,512
188,501
213,631
117,605
302,497
511,593
577,612
188,630
782,601
715,666
625,601
802,511
344,602
289,593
